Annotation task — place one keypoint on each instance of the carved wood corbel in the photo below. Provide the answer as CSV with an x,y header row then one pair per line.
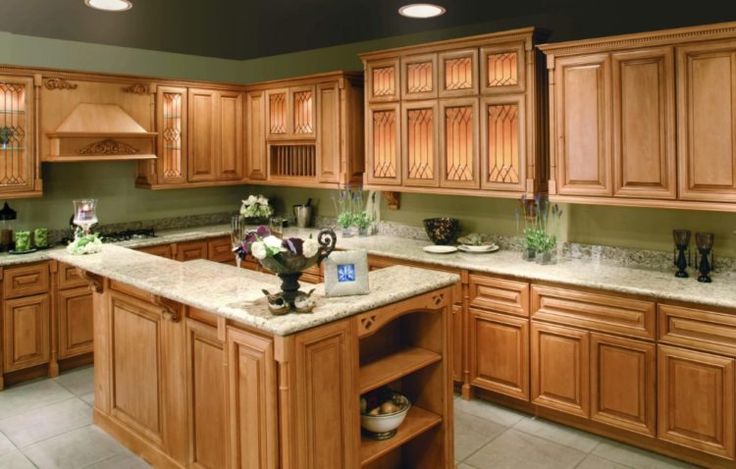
x,y
393,200
170,309
97,282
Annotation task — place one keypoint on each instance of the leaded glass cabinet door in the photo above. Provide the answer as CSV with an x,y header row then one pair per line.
x,y
17,141
459,143
503,143
172,142
420,143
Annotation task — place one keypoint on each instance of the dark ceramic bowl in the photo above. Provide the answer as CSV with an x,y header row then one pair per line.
x,y
442,230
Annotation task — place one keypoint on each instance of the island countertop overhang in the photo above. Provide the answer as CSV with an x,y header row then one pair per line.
x,y
236,294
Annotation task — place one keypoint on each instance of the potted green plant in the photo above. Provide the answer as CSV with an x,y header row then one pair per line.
x,y
363,221
348,203
540,220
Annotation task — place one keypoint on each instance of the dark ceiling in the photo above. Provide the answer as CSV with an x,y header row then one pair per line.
x,y
242,29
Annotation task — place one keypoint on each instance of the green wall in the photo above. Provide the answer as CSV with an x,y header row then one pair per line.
x,y
113,183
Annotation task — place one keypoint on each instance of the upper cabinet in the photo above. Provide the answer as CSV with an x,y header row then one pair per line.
x,y
305,132
19,172
456,117
200,139
645,119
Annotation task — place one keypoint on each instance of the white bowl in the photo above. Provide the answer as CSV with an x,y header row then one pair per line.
x,y
384,426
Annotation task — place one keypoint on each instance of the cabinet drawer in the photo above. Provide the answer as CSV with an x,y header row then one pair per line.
x,y
220,249
500,295
595,311
696,328
68,277
162,250
26,280
191,251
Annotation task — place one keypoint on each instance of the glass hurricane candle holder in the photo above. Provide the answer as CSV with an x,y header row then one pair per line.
x,y
704,242
682,253
85,213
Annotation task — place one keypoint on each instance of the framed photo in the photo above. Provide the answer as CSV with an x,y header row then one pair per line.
x,y
346,273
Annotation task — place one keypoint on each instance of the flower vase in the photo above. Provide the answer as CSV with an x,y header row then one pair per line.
x,y
528,254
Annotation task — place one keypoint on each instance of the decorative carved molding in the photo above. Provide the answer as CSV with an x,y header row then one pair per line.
x,y
58,84
438,299
97,282
171,310
136,88
393,200
367,322
108,147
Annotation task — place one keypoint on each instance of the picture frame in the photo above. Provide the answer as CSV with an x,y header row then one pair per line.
x,y
346,273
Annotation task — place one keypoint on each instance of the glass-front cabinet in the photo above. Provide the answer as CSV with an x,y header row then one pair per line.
x,y
18,167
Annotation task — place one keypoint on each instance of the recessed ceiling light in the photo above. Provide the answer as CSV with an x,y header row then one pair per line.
x,y
109,5
421,10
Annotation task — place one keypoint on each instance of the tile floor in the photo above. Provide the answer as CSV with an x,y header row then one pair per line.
x,y
48,424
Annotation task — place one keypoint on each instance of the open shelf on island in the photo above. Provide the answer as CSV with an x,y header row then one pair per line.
x,y
392,367
417,422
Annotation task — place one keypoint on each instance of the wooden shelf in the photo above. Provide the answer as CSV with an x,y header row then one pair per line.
x,y
395,366
417,422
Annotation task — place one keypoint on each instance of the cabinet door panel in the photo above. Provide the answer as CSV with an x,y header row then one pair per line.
x,y
503,143
499,358
328,144
706,109
253,392
17,113
560,368
202,135
230,136
696,400
644,123
207,396
419,143
171,124
623,381
277,112
419,77
383,151
74,312
503,68
382,80
583,125
459,163
191,251
26,332
256,163
302,111
458,73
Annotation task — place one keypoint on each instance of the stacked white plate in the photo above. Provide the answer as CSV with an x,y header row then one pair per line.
x,y
484,248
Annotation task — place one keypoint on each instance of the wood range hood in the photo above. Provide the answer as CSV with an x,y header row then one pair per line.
x,y
100,132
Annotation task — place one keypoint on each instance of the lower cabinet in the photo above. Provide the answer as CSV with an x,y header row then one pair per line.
x,y
500,353
560,370
253,399
207,389
74,322
696,400
26,332
191,250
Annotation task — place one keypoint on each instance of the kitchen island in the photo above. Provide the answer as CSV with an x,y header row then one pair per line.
x,y
191,370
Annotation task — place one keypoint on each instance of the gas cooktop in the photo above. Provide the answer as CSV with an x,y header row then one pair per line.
x,y
127,235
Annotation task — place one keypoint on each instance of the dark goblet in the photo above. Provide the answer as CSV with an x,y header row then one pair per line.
x,y
704,241
682,253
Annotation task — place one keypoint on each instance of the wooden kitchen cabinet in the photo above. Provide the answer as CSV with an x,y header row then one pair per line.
x,y
171,122
696,400
582,128
207,390
499,360
20,175
290,112
162,250
468,122
26,332
256,160
560,370
74,313
706,113
645,119
229,136
253,394
623,383
191,250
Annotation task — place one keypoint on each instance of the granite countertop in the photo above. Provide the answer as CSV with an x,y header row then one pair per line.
x,y
636,281
236,293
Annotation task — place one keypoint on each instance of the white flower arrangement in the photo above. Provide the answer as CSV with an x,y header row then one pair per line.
x,y
310,247
85,244
256,206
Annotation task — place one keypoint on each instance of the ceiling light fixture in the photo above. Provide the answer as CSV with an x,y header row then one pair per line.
x,y
109,5
421,10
